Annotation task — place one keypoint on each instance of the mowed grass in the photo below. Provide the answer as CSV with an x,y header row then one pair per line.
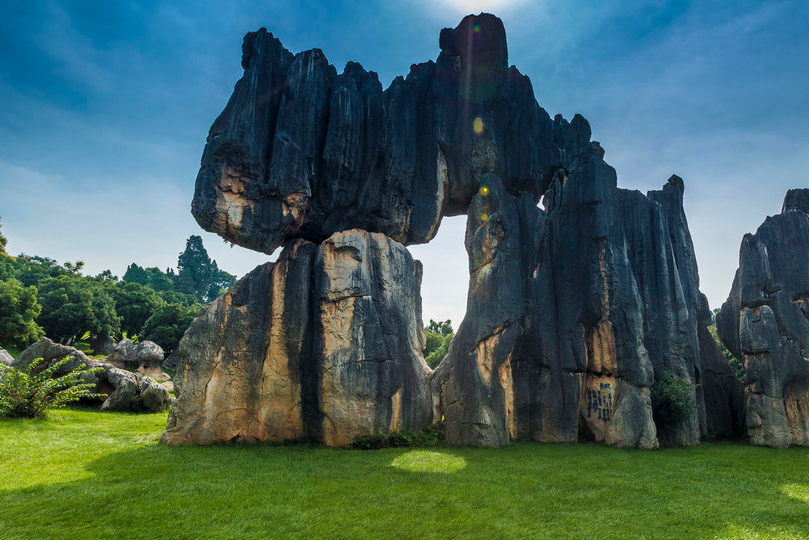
x,y
85,475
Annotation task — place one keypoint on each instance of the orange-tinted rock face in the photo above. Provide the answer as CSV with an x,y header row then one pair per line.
x,y
324,344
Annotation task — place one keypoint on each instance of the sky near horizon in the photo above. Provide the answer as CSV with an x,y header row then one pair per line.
x,y
106,106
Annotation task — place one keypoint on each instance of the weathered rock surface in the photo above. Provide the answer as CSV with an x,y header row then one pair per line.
x,y
324,344
302,152
5,357
146,355
573,311
125,391
765,322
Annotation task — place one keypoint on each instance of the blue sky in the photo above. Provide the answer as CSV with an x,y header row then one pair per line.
x,y
106,106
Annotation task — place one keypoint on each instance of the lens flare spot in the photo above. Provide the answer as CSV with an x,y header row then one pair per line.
x,y
484,217
484,191
477,125
476,28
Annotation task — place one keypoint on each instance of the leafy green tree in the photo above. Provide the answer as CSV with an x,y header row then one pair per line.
x,y
221,281
135,303
31,270
194,269
18,312
167,325
440,327
73,306
151,277
176,297
438,337
31,393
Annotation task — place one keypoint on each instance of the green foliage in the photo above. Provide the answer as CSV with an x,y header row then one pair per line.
x,y
3,240
135,303
438,337
735,364
18,312
429,436
73,305
194,269
150,277
221,281
167,325
440,327
672,400
31,270
31,393
176,297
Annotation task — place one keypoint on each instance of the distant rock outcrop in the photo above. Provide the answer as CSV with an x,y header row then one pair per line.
x,y
124,390
765,322
573,311
146,355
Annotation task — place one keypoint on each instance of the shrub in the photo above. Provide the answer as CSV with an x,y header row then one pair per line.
x,y
429,436
672,400
27,393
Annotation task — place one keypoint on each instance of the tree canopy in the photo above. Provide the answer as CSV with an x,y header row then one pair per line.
x,y
19,310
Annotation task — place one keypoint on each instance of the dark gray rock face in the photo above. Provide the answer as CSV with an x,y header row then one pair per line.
x,y
573,311
124,390
324,344
302,152
765,322
572,314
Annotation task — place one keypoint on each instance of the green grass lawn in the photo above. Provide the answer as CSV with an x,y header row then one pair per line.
x,y
85,475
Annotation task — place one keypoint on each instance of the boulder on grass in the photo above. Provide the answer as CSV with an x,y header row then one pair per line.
x,y
124,390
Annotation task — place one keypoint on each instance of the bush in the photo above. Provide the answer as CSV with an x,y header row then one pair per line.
x,y
429,436
28,394
672,400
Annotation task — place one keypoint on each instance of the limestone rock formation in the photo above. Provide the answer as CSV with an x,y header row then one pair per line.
x,y
124,390
302,152
573,311
146,355
765,322
324,344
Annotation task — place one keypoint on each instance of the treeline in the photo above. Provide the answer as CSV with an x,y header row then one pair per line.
x,y
39,297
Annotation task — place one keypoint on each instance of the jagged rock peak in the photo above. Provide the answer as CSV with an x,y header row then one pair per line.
x,y
765,323
302,152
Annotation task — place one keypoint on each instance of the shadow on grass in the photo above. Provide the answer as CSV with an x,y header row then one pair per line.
x,y
524,491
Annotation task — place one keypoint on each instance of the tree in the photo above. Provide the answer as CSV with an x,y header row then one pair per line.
x,y
221,281
73,306
438,337
135,303
151,277
18,312
194,269
441,327
31,270
167,325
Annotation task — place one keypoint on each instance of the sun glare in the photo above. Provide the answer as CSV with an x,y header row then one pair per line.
x,y
477,6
